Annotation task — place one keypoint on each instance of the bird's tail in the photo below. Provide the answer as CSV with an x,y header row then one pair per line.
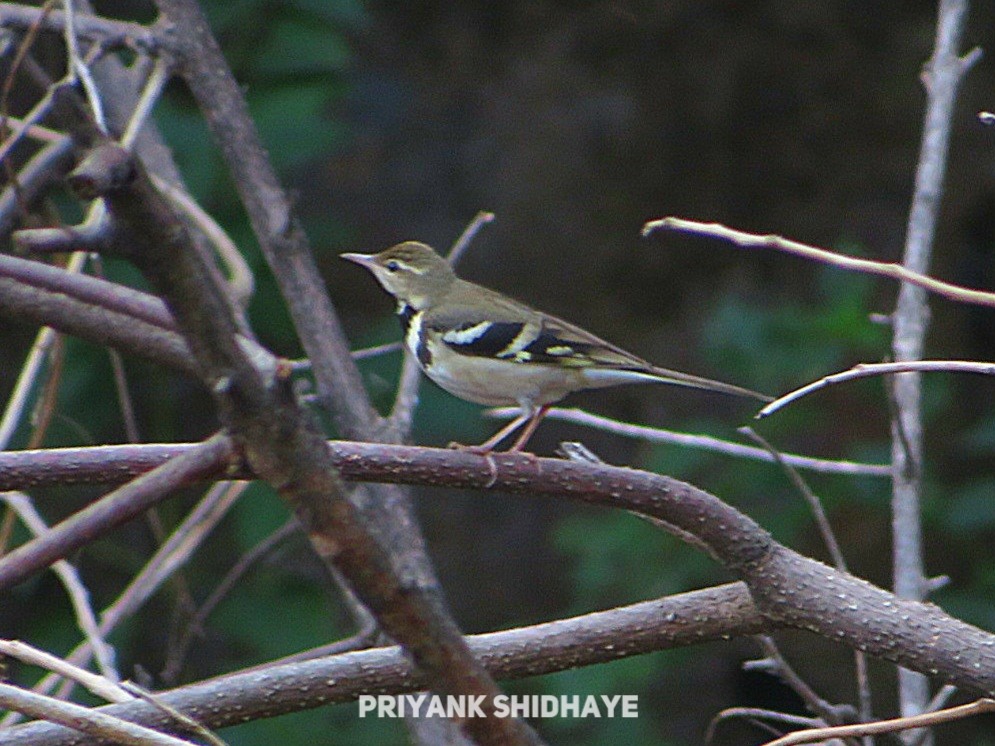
x,y
598,377
696,382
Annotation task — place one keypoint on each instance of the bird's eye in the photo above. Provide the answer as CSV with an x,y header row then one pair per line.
x,y
393,265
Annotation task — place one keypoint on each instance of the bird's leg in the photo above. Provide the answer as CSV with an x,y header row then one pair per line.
x,y
488,445
537,414
530,415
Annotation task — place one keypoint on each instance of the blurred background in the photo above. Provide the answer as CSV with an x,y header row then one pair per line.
x,y
575,122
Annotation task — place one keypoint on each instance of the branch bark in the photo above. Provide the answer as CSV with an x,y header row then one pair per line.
x,y
910,320
787,588
278,438
685,619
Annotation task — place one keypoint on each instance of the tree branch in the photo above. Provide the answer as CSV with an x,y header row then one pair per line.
x,y
281,238
21,303
870,370
789,589
910,320
108,32
125,503
831,258
675,621
280,440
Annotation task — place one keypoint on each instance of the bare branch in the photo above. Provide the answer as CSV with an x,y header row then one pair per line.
x,y
910,320
841,261
24,303
880,727
706,442
868,370
83,719
603,636
108,32
99,685
115,508
828,602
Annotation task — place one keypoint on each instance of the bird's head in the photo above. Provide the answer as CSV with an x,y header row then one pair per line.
x,y
411,271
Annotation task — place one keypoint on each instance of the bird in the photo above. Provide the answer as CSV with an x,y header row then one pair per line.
x,y
488,348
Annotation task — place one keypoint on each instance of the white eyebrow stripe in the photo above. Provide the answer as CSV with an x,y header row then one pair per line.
x,y
468,335
410,268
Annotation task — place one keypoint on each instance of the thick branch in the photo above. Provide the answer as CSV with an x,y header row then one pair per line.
x,y
788,588
20,302
676,621
281,238
286,249
123,504
92,290
280,440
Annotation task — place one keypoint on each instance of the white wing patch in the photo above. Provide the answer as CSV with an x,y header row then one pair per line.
x,y
467,335
516,347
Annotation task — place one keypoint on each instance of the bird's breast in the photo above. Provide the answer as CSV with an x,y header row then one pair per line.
x,y
496,382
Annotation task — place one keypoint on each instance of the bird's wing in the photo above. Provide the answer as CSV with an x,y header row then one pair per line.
x,y
505,329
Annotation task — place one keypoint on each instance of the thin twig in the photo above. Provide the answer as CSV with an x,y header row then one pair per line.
x,y
185,720
124,398
146,101
195,626
868,370
778,665
81,70
942,696
757,714
79,596
31,370
481,219
101,686
83,719
814,503
832,258
896,725
706,442
45,407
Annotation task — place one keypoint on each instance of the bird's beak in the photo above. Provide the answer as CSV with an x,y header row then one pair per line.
x,y
363,260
